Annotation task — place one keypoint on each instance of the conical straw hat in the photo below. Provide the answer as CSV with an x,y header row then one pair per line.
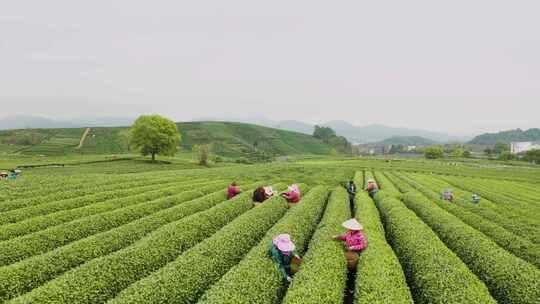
x,y
353,224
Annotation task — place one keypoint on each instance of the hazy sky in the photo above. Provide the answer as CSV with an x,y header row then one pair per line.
x,y
458,66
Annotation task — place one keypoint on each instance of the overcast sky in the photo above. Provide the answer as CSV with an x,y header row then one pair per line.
x,y
458,66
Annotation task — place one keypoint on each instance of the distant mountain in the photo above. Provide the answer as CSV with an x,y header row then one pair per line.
x,y
364,134
408,141
27,121
37,122
377,133
355,134
507,136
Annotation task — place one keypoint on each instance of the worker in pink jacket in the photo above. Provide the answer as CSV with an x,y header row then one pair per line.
x,y
355,241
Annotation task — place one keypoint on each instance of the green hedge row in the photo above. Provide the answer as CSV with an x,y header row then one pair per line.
x,y
515,244
386,185
38,223
101,279
67,190
256,279
527,211
518,190
186,278
17,249
494,212
379,278
21,214
528,228
434,273
527,208
323,275
509,278
88,190
519,196
28,274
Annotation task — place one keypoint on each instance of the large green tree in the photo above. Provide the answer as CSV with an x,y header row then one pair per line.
x,y
325,134
153,135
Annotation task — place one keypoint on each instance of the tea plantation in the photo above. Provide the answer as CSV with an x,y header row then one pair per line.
x,y
100,233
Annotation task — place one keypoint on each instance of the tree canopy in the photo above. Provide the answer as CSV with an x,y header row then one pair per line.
x,y
434,152
153,135
328,136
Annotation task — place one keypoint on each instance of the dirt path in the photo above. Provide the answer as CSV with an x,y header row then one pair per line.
x,y
83,138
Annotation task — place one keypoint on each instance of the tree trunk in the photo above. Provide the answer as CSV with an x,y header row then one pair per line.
x,y
153,156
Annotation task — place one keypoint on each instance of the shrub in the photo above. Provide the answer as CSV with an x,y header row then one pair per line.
x,y
433,152
435,274
510,279
256,275
322,277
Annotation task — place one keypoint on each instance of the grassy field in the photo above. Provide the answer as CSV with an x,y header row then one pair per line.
x,y
230,140
127,230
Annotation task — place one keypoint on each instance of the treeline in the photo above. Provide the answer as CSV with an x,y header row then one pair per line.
x,y
507,136
329,137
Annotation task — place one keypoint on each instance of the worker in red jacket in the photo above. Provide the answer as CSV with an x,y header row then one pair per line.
x,y
292,195
372,188
233,190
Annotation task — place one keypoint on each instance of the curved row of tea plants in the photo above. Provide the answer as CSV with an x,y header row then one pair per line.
x,y
527,211
39,223
434,273
84,189
19,278
187,277
517,245
510,279
486,209
256,276
379,278
21,214
323,274
16,249
103,278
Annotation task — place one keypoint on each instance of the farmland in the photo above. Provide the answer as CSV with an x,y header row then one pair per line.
x,y
126,231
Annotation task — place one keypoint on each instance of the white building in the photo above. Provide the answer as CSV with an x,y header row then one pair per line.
x,y
411,148
518,147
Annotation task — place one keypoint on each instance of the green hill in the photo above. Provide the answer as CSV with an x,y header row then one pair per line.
x,y
507,136
408,141
227,139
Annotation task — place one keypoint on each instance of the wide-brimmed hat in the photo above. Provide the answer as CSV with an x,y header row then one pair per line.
x,y
370,181
268,191
283,243
294,188
353,224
